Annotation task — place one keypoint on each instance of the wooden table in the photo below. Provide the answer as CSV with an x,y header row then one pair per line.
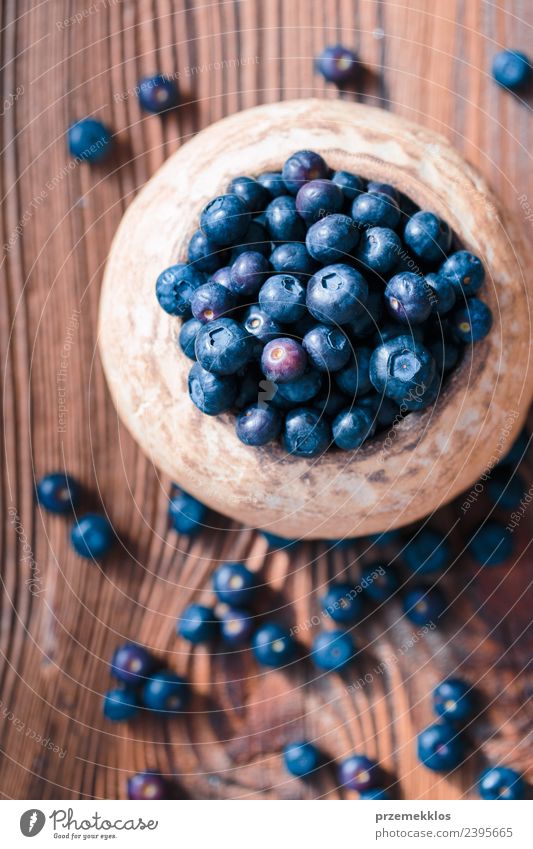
x,y
61,617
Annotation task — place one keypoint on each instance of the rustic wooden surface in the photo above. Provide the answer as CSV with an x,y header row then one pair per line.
x,y
60,617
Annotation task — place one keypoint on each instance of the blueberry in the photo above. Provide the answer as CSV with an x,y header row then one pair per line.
x,y
258,425
352,185
472,322
255,239
211,301
283,222
58,492
157,93
272,645
342,603
390,329
375,187
301,167
293,258
427,551
506,490
440,748
359,773
92,536
423,605
384,410
407,298
254,196
175,287
303,389
248,273
317,199
511,69
327,347
120,705
257,323
464,271
400,367
283,360
375,210
205,255
282,297
249,387
379,582
225,219
428,236
186,513
147,785
369,320
332,239
329,401
306,433
166,691
379,249
223,346
421,396
332,650
446,351
491,544
236,626
338,64
197,624
336,294
352,427
187,338
442,294
453,700
272,181
89,140
501,782
211,393
301,758
234,584
131,663
354,378
375,793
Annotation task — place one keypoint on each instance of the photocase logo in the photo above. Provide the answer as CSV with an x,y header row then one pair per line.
x,y
32,822
268,390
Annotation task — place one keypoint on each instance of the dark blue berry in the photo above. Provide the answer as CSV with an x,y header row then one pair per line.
x,y
255,239
369,320
491,544
453,700
423,605
301,758
293,258
375,210
354,378
472,322
277,542
205,255
501,782
58,492
427,551
338,64
283,222
236,626
464,271
329,401
282,297
283,360
273,182
442,294
197,624
379,249
158,93
250,389
301,167
428,236
317,199
328,348
225,219
351,184
303,389
92,536
223,346
120,705
211,393
234,584
187,338
89,140
375,793
379,582
400,367
132,663
511,69
175,287
147,785
390,329
332,239
186,513
342,603
166,692
254,196
306,433
332,650
383,409
336,294
375,187
407,297
211,301
248,273
258,425
359,773
352,427
257,323
272,645
506,490
440,747
446,352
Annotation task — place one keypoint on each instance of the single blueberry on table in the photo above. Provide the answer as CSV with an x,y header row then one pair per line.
x,y
132,663
506,489
283,222
258,424
408,298
359,773
491,544
302,389
197,624
511,69
255,239
351,184
282,297
336,294
306,433
272,181
257,323
248,273
342,603
283,360
376,793
428,236
501,782
332,239
338,64
423,605
234,584
187,338
352,427
374,209
89,140
254,196
225,219
236,626
472,322
293,258
120,705
166,692
464,271
328,348
427,551
58,492
354,378
211,393
223,346
92,536
301,167
157,93
211,301
453,700
317,199
273,645
301,758
205,255
186,513
379,249
379,582
440,747
401,367
442,295
332,650
375,187
147,785
175,287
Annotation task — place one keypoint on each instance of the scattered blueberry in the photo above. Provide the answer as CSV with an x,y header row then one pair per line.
x,y
236,626
332,650
166,691
511,69
440,747
197,624
501,782
338,64
89,140
359,773
427,551
158,93
58,492
491,544
234,584
186,513
120,705
301,758
92,536
342,603
423,605
379,582
453,700
131,663
147,785
273,645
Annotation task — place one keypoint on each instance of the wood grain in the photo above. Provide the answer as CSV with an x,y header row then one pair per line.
x,y
428,61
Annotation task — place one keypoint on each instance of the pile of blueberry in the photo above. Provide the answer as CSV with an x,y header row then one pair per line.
x,y
319,306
